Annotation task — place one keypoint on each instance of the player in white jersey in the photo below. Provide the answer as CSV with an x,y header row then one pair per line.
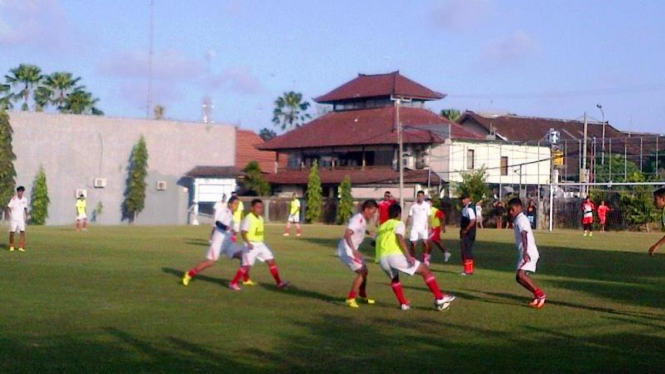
x,y
348,252
222,244
217,208
419,220
527,252
18,215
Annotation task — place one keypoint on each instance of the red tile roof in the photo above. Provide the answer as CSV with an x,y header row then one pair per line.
x,y
246,151
379,85
369,127
358,177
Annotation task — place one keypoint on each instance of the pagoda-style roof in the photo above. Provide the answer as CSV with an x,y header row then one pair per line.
x,y
367,86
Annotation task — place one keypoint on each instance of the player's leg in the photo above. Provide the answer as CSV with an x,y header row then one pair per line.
x,y
298,229
288,227
11,240
21,241
85,224
442,301
212,232
527,282
427,250
78,224
393,274
214,251
467,255
237,254
355,287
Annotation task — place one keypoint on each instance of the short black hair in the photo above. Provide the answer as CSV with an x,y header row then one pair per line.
x,y
20,188
257,201
371,203
515,201
660,193
394,211
464,196
231,200
420,192
234,193
387,193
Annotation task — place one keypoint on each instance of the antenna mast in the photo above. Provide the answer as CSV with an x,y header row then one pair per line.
x,y
151,32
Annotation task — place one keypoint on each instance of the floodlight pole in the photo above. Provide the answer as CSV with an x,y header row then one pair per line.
x,y
602,113
400,142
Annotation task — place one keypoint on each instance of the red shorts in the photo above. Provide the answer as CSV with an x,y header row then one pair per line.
x,y
602,220
436,234
587,220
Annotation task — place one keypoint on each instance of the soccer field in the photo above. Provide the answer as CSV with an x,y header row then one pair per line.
x,y
109,301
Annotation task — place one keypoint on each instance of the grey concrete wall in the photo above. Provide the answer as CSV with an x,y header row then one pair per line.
x,y
75,150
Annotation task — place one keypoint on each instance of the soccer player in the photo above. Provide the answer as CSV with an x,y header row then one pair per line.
x,y
217,208
527,252
659,202
294,216
18,215
221,243
252,230
419,220
384,205
587,216
237,216
81,216
479,214
393,256
467,234
348,253
603,209
437,223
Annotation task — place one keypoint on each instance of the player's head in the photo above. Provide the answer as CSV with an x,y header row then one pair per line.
x,y
369,208
395,211
587,199
602,202
20,190
81,196
294,196
466,199
387,195
420,196
515,206
659,198
234,194
233,203
257,207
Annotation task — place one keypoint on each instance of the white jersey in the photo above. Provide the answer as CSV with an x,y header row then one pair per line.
x,y
419,214
357,224
224,215
17,208
521,225
479,210
467,212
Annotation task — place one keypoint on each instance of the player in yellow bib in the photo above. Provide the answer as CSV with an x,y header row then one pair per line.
x,y
294,216
393,256
81,216
252,230
238,214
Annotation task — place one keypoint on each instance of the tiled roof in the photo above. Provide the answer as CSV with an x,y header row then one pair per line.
x,y
214,172
358,177
368,127
379,85
246,150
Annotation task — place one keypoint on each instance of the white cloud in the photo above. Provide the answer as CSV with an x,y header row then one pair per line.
x,y
170,65
238,79
512,49
460,14
41,22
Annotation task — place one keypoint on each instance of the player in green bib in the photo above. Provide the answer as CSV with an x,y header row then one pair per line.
x,y
659,202
393,256
294,216
252,230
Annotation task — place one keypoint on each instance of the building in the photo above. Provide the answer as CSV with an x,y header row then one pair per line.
x,y
359,138
90,155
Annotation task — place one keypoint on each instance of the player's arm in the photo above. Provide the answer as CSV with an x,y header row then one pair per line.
x,y
243,232
472,221
347,236
525,246
655,247
403,247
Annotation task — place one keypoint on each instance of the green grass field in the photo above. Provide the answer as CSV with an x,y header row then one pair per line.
x,y
109,301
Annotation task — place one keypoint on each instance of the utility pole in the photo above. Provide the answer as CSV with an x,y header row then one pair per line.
x,y
584,150
400,142
150,56
602,147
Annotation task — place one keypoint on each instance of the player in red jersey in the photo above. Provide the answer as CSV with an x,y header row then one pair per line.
x,y
437,225
587,216
603,209
659,202
384,205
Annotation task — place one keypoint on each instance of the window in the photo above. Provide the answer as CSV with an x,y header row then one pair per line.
x,y
470,159
504,165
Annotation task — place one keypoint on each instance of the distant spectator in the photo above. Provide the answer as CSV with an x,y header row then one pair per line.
x,y
531,214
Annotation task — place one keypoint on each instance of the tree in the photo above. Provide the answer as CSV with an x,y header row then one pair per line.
x,y
473,183
289,112
7,157
619,165
136,181
314,194
267,134
26,76
159,111
39,200
637,203
255,181
6,97
81,102
58,86
452,114
345,207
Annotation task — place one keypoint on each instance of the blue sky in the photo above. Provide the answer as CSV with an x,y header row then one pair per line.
x,y
530,57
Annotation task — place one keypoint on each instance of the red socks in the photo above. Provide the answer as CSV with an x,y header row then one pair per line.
x,y
192,273
352,295
538,293
363,287
240,274
399,292
434,287
468,266
275,273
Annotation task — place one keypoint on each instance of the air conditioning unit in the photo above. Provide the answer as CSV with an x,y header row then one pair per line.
x,y
161,186
99,182
80,192
408,162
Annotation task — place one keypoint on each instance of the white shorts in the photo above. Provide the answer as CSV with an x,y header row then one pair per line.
x,y
16,226
81,217
236,227
419,234
347,258
294,218
531,265
260,252
222,245
393,264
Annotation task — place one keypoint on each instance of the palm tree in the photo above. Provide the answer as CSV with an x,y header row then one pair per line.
x,y
81,102
25,75
452,114
159,111
290,110
59,85
6,97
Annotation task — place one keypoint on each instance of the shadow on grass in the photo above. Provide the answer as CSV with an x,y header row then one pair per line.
x,y
199,277
201,242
